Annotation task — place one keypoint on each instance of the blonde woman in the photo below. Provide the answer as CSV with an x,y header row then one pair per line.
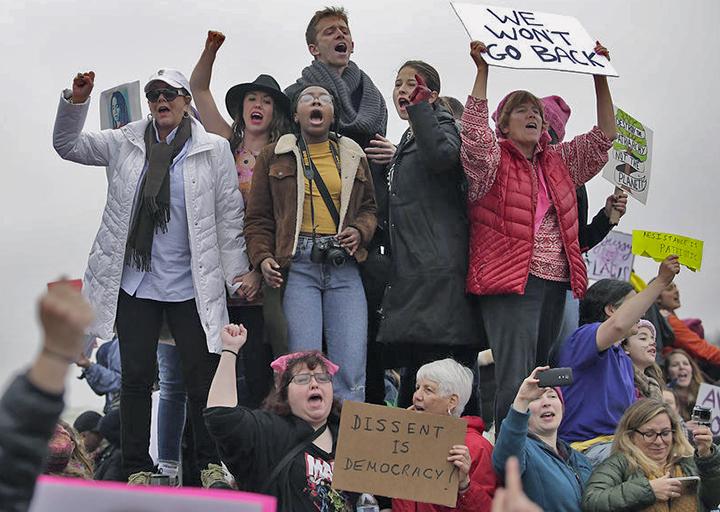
x,y
650,457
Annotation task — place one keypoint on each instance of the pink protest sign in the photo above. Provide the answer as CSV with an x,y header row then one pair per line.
x,y
54,494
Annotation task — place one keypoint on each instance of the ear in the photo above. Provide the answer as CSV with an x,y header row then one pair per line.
x,y
352,47
433,97
313,49
609,310
453,402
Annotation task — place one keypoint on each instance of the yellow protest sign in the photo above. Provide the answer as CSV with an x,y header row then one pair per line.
x,y
659,246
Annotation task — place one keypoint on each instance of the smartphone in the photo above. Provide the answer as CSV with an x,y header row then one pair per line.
x,y
555,377
689,484
701,415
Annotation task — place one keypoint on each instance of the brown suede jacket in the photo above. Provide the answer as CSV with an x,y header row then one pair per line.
x,y
275,206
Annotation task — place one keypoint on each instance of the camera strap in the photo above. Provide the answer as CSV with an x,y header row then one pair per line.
x,y
313,175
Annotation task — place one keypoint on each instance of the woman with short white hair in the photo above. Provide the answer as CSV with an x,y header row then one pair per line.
x,y
444,387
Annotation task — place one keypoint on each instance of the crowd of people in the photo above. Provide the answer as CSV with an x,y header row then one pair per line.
x,y
260,271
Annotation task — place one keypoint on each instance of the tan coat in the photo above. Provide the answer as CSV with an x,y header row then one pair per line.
x,y
275,207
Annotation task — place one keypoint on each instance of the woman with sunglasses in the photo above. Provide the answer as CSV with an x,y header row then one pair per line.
x,y
311,212
287,449
650,465
170,243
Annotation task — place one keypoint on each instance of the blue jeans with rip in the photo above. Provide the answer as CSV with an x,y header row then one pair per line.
x,y
171,409
324,300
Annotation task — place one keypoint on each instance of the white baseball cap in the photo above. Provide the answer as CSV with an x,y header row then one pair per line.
x,y
171,77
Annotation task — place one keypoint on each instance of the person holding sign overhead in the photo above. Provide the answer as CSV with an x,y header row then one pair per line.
x,y
444,387
524,250
653,466
286,450
311,213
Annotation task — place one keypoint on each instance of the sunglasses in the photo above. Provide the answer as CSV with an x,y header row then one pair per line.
x,y
308,98
303,379
169,94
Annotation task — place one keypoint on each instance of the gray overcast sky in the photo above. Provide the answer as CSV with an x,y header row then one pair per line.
x,y
664,51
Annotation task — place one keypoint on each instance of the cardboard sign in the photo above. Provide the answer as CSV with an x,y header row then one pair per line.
x,y
659,246
397,453
525,39
630,156
612,258
709,396
54,494
120,106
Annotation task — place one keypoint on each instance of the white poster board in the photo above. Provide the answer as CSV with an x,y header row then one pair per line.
x,y
709,396
630,156
120,105
612,258
525,39
54,494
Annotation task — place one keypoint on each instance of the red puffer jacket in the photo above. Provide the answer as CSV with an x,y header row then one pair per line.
x,y
483,481
502,224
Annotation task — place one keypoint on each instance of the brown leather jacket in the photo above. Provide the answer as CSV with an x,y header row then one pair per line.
x,y
275,207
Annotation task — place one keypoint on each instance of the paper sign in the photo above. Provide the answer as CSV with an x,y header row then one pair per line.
x,y
709,396
525,39
120,106
612,258
54,494
659,246
397,453
630,156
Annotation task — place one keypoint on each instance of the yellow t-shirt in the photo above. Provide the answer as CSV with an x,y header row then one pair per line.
x,y
325,165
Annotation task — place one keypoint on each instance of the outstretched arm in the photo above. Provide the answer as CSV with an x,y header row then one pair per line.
x,y
605,113
223,390
211,117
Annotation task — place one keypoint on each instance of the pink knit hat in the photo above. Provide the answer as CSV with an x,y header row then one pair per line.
x,y
544,138
280,364
557,113
648,325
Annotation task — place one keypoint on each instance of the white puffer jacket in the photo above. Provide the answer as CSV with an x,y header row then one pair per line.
x,y
214,213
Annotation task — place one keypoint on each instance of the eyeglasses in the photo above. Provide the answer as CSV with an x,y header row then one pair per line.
x,y
650,436
303,379
308,98
169,94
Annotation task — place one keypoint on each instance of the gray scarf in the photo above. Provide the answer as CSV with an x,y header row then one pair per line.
x,y
371,117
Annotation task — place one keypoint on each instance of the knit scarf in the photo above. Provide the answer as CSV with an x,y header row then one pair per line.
x,y
371,117
685,503
153,211
647,386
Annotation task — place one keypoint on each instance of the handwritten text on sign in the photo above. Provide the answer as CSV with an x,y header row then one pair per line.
x,y
397,453
659,246
612,258
524,39
709,396
630,156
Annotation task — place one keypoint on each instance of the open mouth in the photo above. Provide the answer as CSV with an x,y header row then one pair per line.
x,y
315,399
403,102
341,47
547,415
163,109
316,116
419,407
256,116
531,125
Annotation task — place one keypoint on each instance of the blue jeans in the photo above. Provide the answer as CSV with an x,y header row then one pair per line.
x,y
321,299
171,410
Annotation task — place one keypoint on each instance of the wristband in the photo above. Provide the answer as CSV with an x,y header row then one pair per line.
x,y
58,355
230,351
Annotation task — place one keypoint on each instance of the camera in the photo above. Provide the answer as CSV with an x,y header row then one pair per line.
x,y
701,415
328,250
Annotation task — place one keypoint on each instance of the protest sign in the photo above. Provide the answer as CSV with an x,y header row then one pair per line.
x,y
525,39
397,453
120,105
709,396
659,246
630,156
54,494
75,283
612,258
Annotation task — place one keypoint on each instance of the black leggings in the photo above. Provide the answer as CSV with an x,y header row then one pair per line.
x,y
138,326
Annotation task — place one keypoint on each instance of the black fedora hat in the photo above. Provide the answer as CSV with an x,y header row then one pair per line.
x,y
264,83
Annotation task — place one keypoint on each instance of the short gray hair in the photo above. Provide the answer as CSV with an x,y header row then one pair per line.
x,y
452,378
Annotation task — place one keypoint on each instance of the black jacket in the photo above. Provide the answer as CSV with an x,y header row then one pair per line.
x,y
27,421
426,226
589,235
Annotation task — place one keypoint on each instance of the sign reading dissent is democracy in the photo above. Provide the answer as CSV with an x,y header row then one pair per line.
x,y
397,453
524,39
